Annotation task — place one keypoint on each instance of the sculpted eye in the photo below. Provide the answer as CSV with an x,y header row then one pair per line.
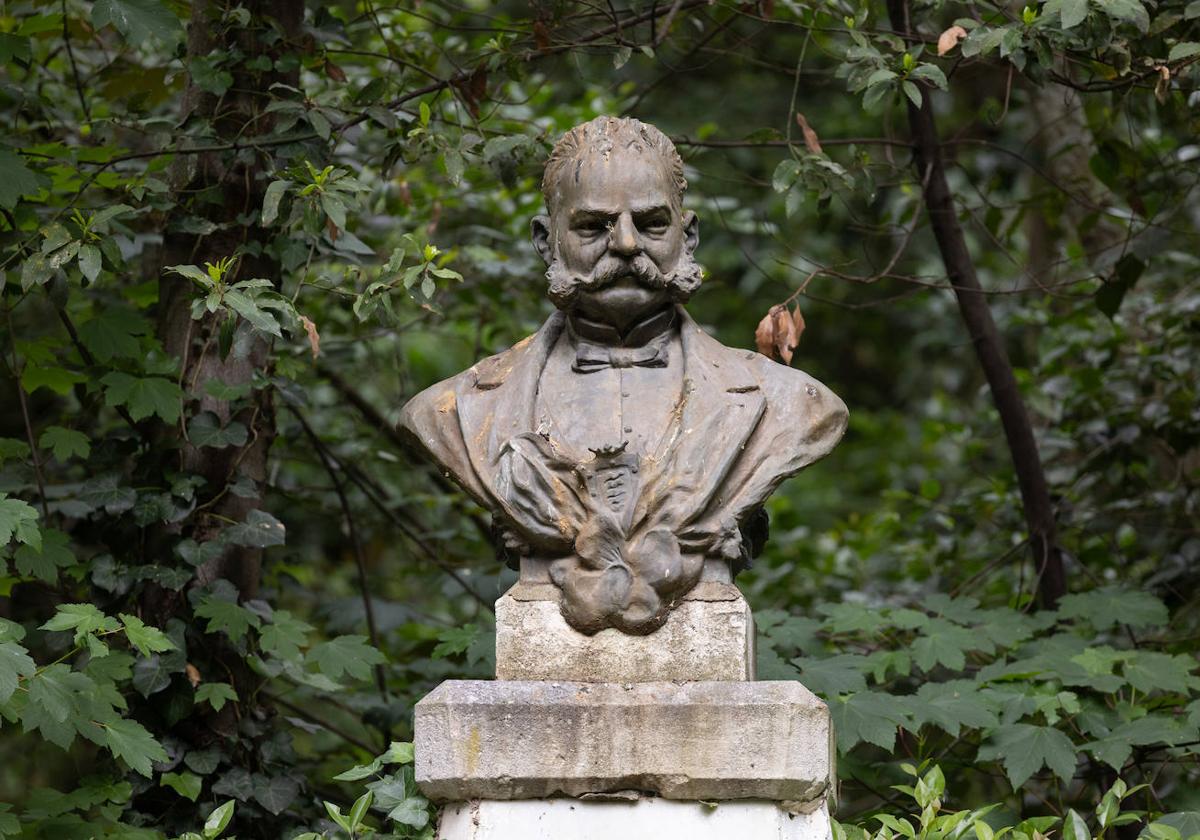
x,y
656,225
591,227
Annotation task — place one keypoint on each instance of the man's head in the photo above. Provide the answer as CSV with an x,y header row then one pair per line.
x,y
617,242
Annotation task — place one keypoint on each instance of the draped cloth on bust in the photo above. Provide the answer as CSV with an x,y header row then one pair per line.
x,y
631,531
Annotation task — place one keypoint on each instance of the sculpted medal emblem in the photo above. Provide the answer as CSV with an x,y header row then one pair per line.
x,y
622,450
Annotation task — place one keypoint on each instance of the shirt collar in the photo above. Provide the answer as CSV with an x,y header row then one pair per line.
x,y
637,335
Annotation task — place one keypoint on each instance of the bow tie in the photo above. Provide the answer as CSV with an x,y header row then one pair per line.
x,y
590,358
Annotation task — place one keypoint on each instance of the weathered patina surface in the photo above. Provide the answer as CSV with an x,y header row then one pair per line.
x,y
621,447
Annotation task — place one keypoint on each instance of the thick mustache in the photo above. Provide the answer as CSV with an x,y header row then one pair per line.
x,y
609,271
565,286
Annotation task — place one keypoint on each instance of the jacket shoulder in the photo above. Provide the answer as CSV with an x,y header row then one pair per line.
x,y
801,400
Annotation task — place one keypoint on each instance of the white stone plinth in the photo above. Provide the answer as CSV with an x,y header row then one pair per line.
x,y
478,739
644,819
709,636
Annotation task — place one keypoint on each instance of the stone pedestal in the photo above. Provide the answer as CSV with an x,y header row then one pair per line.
x,y
630,737
639,819
478,739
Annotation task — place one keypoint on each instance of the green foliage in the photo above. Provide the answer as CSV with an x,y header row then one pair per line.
x,y
226,260
997,686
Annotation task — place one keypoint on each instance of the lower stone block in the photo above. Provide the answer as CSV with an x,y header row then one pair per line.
x,y
479,739
643,819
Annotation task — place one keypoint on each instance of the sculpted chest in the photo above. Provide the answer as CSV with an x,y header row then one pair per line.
x,y
624,529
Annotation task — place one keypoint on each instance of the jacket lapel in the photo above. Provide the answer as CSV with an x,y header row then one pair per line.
x,y
722,406
497,403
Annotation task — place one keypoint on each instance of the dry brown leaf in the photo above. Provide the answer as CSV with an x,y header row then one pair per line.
x,y
810,136
314,338
798,320
949,39
764,334
331,228
334,72
785,333
1163,85
541,36
193,674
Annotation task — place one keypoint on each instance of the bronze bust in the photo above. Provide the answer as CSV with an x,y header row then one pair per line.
x,y
620,448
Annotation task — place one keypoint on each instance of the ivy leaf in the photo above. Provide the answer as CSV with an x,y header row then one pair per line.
x,y
215,694
129,741
16,179
275,793
260,530
44,562
143,396
1148,670
13,449
1115,748
944,643
284,636
104,491
18,520
413,811
113,335
455,640
1024,749
137,20
952,705
187,785
52,693
221,390
82,618
65,443
1111,605
851,618
56,379
151,675
146,639
834,675
227,616
15,663
351,655
399,752
205,429
870,716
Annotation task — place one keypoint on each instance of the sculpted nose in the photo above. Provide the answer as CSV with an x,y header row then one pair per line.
x,y
624,237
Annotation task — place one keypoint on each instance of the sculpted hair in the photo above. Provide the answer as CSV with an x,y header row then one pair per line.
x,y
603,136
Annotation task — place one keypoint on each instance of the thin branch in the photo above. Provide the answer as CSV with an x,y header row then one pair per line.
x,y
33,449
359,556
323,722
87,112
375,418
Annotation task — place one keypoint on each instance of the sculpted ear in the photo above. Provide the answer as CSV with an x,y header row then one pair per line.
x,y
691,231
539,231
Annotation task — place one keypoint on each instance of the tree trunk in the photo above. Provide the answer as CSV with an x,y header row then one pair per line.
x,y
989,346
226,189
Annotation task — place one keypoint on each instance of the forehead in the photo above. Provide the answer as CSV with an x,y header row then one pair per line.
x,y
619,180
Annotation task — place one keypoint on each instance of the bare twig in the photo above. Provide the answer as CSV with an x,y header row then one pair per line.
x,y
33,449
359,556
